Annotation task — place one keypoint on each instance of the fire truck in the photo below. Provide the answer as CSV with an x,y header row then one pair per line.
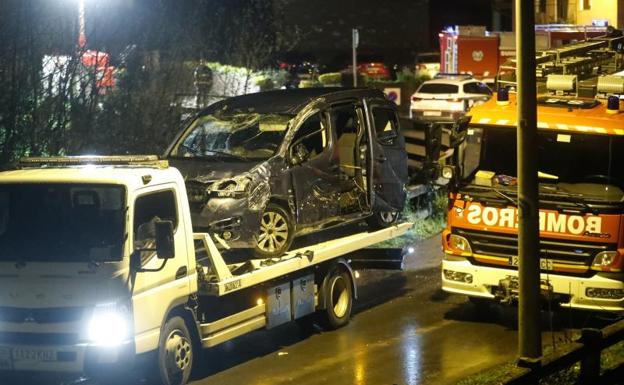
x,y
580,151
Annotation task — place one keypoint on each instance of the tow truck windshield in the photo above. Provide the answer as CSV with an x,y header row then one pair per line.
x,y
574,165
61,222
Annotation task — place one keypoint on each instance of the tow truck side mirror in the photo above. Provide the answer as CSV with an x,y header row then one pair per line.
x,y
165,245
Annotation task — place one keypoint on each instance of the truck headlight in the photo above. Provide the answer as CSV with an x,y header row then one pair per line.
x,y
607,261
459,244
109,324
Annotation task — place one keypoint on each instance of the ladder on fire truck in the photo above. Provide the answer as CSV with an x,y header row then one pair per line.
x,y
586,59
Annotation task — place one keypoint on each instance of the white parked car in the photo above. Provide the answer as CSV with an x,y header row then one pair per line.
x,y
447,97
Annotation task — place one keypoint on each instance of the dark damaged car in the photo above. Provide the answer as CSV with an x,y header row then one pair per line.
x,y
263,168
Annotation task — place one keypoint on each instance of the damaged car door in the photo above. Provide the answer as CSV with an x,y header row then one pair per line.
x,y
313,171
389,160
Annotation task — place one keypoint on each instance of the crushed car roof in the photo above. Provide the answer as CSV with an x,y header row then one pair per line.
x,y
288,102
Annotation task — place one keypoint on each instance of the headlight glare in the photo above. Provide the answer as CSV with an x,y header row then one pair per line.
x,y
109,325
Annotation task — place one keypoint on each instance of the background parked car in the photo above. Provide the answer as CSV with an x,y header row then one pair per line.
x,y
428,64
447,98
262,168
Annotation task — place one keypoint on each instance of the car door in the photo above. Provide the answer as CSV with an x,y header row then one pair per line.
x,y
313,171
389,158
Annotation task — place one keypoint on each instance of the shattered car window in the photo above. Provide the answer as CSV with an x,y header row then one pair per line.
x,y
239,136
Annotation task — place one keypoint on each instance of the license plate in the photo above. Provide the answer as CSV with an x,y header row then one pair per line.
x,y
432,113
31,354
545,264
5,359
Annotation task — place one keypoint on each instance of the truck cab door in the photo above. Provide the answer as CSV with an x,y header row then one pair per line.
x,y
313,171
158,285
389,165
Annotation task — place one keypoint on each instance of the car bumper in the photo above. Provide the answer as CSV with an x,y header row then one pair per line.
x,y
444,116
230,219
571,290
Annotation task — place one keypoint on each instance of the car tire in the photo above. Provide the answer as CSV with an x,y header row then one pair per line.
x,y
382,219
276,232
175,353
338,292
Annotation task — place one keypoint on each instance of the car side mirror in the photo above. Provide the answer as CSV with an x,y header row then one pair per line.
x,y
165,245
299,154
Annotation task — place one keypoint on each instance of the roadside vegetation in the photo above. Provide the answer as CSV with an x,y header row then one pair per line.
x,y
428,214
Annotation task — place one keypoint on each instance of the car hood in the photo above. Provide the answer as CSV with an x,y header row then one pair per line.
x,y
210,170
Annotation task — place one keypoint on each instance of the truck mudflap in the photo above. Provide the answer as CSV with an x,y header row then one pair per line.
x,y
601,292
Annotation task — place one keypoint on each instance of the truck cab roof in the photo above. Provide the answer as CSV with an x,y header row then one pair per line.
x,y
133,172
553,113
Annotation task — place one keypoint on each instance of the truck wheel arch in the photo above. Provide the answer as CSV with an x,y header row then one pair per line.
x,y
340,264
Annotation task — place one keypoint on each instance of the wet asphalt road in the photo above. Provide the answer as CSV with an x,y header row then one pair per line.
x,y
404,331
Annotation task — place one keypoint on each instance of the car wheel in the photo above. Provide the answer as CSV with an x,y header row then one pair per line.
x,y
383,219
175,353
276,232
338,300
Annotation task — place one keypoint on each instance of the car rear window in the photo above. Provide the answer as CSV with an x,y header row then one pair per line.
x,y
438,88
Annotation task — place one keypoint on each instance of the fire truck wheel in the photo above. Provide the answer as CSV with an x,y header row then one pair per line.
x,y
338,300
175,353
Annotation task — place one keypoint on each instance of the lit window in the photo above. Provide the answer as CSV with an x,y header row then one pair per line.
x,y
584,5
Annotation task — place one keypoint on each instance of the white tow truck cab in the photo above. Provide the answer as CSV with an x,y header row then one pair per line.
x,y
99,265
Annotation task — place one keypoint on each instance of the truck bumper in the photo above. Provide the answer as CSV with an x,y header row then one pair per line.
x,y
485,281
66,359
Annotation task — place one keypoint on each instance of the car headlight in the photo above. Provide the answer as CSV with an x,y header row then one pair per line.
x,y
110,324
231,188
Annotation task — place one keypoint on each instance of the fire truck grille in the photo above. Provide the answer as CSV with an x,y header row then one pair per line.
x,y
572,254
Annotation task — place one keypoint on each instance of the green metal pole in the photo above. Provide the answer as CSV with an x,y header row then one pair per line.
x,y
530,340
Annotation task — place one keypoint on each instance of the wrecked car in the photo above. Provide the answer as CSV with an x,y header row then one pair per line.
x,y
263,168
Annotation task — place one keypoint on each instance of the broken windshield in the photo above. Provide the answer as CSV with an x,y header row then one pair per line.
x,y
573,164
61,222
241,136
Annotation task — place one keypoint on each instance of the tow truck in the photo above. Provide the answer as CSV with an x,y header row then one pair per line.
x,y
100,269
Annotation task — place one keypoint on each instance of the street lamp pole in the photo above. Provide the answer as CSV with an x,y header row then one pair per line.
x,y
529,336
82,34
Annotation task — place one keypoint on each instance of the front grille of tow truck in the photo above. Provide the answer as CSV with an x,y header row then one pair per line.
x,y
42,315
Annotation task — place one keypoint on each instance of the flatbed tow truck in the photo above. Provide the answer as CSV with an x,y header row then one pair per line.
x,y
99,268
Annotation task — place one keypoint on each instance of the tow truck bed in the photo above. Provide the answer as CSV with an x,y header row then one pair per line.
x,y
276,277
219,279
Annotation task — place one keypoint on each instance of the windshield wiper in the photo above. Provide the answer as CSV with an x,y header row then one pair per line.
x,y
575,199
505,196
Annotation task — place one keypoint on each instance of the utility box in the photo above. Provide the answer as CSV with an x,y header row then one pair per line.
x,y
303,296
278,305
